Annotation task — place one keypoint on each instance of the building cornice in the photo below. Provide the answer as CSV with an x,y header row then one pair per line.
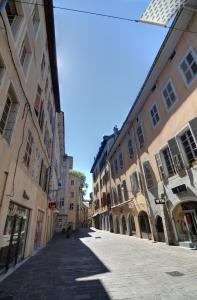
x,y
50,28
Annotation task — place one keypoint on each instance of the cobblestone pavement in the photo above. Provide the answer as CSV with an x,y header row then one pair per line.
x,y
104,266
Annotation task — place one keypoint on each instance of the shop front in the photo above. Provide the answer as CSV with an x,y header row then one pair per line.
x,y
185,219
13,240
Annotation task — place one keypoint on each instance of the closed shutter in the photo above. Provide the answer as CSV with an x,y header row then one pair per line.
x,y
176,155
160,166
134,183
193,126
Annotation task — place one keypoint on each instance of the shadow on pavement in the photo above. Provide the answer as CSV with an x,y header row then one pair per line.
x,y
53,273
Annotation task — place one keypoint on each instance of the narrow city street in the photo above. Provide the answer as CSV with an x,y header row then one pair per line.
x,y
101,265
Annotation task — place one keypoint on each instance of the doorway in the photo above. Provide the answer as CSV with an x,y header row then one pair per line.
x,y
14,237
144,225
190,218
160,230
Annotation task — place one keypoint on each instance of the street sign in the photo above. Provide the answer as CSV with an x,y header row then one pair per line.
x,y
160,12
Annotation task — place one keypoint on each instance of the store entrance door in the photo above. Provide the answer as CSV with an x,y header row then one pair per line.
x,y
13,240
190,218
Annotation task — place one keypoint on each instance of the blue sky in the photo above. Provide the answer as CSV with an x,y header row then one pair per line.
x,y
102,64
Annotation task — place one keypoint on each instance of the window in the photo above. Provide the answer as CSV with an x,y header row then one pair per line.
x,y
116,165
130,148
154,115
169,95
115,197
121,160
43,180
160,166
35,18
72,194
125,191
25,54
43,65
148,174
140,135
61,203
119,193
37,101
188,66
168,162
72,182
8,117
41,117
2,68
135,186
11,12
189,146
28,150
71,206
14,13
47,141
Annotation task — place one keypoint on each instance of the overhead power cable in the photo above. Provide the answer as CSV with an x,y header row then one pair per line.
x,y
105,16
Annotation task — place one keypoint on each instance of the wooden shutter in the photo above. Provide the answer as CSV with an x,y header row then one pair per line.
x,y
176,155
193,126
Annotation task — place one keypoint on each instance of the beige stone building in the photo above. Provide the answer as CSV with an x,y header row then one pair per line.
x,y
29,101
74,202
84,209
153,160
64,192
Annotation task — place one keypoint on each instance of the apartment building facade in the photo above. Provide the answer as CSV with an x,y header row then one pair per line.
x,y
102,217
74,201
153,160
29,101
64,193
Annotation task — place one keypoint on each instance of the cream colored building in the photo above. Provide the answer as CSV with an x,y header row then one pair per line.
x,y
74,202
153,170
29,100
64,192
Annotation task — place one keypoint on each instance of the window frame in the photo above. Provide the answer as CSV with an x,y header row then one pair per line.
x,y
166,172
190,49
139,124
182,149
174,91
154,104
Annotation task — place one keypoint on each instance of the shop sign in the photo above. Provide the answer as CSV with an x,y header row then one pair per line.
x,y
53,205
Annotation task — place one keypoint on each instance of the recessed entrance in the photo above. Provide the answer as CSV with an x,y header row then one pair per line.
x,y
14,236
131,223
124,225
144,225
185,217
160,230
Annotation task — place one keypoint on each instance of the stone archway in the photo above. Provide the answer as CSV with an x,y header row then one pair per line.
x,y
159,228
144,225
131,225
124,225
